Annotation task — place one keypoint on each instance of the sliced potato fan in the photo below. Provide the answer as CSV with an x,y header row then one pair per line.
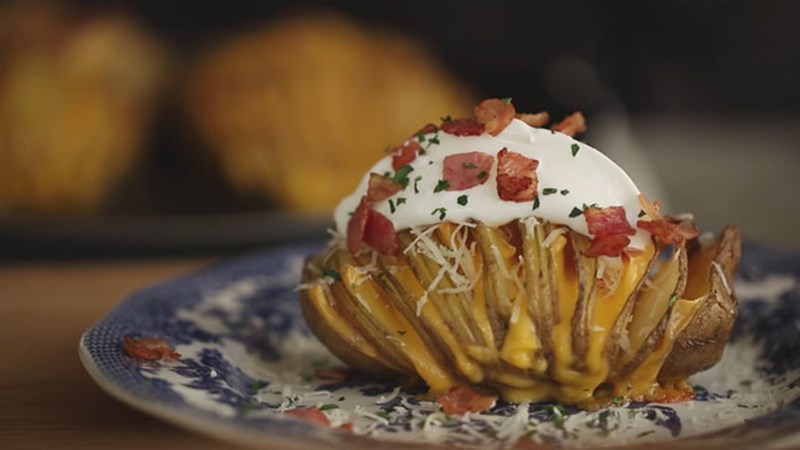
x,y
521,310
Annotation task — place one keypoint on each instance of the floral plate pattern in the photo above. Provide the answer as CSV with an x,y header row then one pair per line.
x,y
247,356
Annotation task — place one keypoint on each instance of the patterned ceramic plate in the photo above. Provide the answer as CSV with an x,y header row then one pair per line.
x,y
247,356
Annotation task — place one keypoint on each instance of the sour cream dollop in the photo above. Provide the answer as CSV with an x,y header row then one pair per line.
x,y
571,174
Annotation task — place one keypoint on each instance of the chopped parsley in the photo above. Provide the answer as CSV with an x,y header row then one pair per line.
x,y
328,407
469,165
330,273
401,176
416,182
564,191
575,149
383,415
549,191
431,141
535,203
672,299
575,212
392,208
462,200
400,200
506,101
446,119
441,186
641,213
482,175
442,211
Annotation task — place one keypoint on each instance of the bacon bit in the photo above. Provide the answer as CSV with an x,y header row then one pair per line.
x,y
494,114
427,129
311,414
535,120
652,209
463,170
663,395
463,127
572,125
405,154
379,233
668,231
356,226
607,221
516,176
346,427
612,245
381,187
461,400
337,374
148,349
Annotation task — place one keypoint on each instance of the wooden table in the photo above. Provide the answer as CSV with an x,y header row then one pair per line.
x,y
47,399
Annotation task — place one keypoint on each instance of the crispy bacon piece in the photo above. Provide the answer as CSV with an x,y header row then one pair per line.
x,y
669,231
652,209
381,187
607,221
611,245
572,125
461,399
379,233
516,176
494,114
311,414
356,226
148,349
405,154
465,170
463,127
427,129
337,374
346,427
535,120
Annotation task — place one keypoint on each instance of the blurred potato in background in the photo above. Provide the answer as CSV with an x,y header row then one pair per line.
x,y
298,110
77,94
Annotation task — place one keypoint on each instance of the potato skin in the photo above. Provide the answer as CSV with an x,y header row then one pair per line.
x,y
701,344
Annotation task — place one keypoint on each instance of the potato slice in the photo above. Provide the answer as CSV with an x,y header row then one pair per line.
x,y
701,344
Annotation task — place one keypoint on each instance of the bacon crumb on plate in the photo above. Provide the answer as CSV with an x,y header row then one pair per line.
x,y
311,414
572,125
516,176
461,400
463,127
148,349
495,115
337,374
466,170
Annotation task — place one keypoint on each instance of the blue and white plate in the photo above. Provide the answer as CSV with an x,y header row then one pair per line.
x,y
247,356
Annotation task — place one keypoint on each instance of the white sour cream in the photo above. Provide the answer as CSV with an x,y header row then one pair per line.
x,y
588,177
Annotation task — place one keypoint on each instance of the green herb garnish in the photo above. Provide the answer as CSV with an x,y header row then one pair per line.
x,y
535,203
482,175
641,213
575,212
469,165
506,101
330,273
564,191
441,186
462,200
549,191
442,211
392,208
401,176
328,407
446,119
416,182
575,149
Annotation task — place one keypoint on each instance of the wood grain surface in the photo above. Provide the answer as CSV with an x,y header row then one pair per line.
x,y
47,399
